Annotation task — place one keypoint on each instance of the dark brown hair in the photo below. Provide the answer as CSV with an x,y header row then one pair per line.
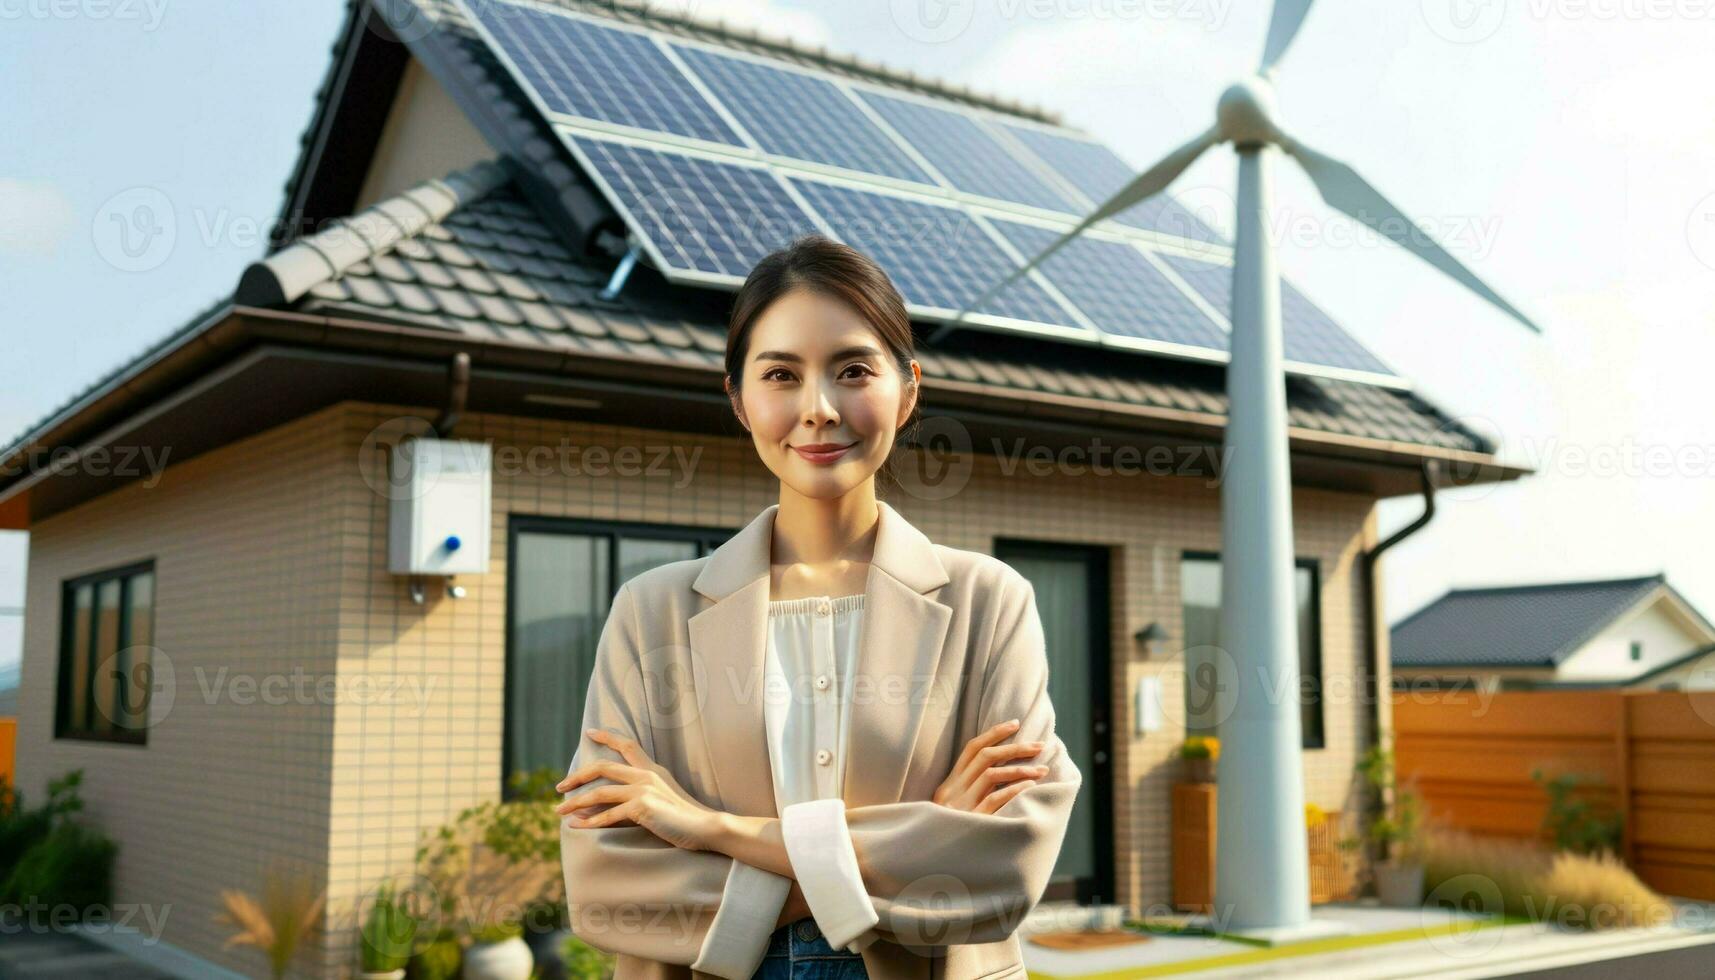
x,y
833,269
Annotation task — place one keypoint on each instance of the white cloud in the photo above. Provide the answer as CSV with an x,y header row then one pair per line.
x,y
801,26
38,217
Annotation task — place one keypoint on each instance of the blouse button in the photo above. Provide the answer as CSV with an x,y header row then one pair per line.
x,y
824,607
822,756
822,683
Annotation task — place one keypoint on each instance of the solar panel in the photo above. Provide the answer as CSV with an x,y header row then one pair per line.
x,y
795,114
580,68
971,159
674,133
699,215
938,256
1098,173
1117,288
1308,335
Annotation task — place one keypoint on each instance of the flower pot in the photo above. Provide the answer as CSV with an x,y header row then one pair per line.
x,y
1399,885
398,974
1199,770
508,959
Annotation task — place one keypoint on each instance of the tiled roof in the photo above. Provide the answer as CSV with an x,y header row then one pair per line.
x,y
491,269
1514,626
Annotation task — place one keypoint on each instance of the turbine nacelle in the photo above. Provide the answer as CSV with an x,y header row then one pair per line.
x,y
1245,113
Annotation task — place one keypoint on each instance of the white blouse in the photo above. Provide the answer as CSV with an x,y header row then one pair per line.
x,y
811,654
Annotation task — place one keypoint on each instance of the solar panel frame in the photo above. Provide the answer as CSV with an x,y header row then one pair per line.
x,y
718,68
896,109
1304,327
592,150
1168,321
1158,216
712,125
820,194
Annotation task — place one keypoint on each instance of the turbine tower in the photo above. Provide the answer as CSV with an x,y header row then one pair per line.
x,y
1262,874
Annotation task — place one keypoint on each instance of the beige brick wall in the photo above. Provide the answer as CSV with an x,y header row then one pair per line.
x,y
286,521
247,571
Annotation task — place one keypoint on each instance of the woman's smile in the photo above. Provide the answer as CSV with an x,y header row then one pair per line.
x,y
824,453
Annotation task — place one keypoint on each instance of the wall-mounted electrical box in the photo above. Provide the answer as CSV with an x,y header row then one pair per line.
x,y
442,491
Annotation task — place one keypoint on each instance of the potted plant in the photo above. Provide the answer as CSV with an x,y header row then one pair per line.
x,y
1199,754
387,937
1398,871
498,952
439,959
501,858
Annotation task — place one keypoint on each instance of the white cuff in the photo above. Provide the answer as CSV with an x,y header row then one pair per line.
x,y
857,945
826,867
737,939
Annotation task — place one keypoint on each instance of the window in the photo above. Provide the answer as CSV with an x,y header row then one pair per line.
x,y
1637,651
107,624
1200,588
561,583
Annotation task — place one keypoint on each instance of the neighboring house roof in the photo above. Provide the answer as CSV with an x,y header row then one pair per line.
x,y
1516,625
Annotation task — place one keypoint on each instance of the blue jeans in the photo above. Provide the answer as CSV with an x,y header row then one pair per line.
x,y
797,951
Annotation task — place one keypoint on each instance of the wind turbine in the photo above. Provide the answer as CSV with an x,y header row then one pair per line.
x,y
1262,876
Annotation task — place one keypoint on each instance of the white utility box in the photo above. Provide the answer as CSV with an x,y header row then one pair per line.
x,y
442,491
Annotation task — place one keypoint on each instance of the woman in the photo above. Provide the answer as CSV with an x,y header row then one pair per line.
x,y
900,810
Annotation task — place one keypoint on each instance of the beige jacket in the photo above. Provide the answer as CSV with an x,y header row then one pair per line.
x,y
951,644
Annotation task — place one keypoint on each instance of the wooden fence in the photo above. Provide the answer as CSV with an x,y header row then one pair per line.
x,y
1650,756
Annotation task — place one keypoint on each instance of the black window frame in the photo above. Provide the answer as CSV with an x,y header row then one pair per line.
x,y
124,575
706,538
1314,565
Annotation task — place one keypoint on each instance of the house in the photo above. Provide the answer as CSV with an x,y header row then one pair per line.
x,y
446,261
1629,633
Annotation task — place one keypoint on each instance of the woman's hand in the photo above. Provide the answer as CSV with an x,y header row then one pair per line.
x,y
644,795
972,785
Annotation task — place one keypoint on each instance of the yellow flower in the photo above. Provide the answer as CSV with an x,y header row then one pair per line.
x,y
1314,815
1214,747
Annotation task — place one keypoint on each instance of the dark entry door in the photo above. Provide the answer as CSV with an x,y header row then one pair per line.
x,y
1072,597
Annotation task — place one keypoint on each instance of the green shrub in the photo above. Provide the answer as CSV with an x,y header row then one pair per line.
x,y
72,865
439,960
495,932
1573,821
388,933
585,962
21,827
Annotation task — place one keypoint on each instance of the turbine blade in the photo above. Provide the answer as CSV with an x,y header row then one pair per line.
x,y
1282,28
1345,191
1145,185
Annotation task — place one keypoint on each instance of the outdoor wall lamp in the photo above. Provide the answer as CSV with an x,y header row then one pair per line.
x,y
1151,638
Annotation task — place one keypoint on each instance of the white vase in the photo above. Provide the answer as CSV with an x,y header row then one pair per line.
x,y
508,959
1399,886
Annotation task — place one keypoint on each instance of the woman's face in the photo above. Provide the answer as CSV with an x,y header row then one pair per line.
x,y
821,394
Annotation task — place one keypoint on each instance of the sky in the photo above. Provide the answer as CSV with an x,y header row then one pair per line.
x,y
1564,149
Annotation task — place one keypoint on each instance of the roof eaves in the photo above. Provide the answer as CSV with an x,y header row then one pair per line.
x,y
119,376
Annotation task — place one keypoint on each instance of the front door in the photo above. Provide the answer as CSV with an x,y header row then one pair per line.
x,y
1072,598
